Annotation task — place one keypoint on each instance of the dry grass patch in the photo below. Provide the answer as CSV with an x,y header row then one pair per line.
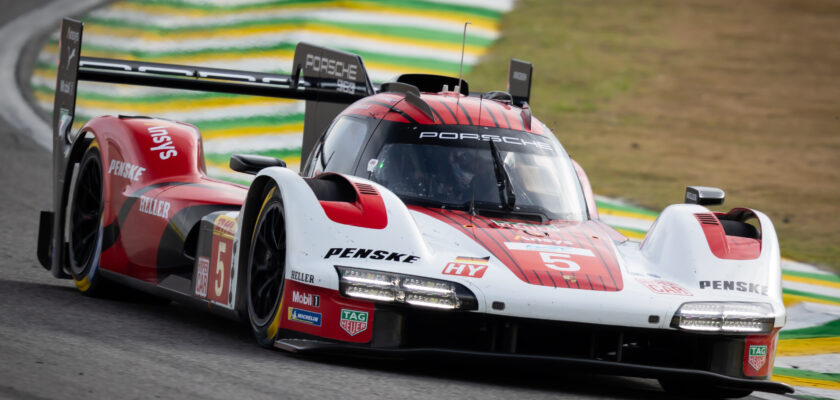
x,y
651,96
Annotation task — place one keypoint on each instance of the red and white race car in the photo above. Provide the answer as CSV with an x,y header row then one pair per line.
x,y
426,221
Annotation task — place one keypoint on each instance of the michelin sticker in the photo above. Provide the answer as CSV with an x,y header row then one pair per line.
x,y
304,317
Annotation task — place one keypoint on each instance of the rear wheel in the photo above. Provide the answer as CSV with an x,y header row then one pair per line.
x,y
687,389
266,266
85,224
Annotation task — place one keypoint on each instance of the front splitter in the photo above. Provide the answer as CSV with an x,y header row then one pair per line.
x,y
308,346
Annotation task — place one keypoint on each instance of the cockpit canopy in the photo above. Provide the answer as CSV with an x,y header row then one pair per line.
x,y
478,168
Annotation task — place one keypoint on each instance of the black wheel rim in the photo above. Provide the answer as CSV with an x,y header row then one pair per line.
x,y
85,216
268,258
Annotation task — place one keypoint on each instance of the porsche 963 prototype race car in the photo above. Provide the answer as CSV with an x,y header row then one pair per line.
x,y
426,220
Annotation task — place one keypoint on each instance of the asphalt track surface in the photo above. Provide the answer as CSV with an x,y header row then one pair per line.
x,y
57,343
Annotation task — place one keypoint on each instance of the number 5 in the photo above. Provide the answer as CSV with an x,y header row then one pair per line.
x,y
551,258
220,270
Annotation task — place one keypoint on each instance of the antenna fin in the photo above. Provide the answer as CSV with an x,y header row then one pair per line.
x,y
461,67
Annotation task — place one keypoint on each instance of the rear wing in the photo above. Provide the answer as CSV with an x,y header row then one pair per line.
x,y
328,80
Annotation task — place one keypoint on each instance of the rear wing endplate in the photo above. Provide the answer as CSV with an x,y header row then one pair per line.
x,y
328,80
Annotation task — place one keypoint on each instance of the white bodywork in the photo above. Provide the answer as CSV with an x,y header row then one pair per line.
x,y
675,251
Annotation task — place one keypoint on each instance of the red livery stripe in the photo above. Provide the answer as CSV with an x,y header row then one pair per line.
x,y
724,246
522,247
408,109
447,109
442,109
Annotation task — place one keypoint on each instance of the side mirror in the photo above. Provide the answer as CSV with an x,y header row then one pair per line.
x,y
252,164
704,195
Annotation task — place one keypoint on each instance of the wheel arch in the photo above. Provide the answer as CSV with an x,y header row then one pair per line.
x,y
77,151
248,218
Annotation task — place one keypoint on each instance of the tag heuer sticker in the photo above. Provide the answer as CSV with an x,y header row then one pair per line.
x,y
201,278
757,356
353,322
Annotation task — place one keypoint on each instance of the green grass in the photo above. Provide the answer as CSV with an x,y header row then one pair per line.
x,y
580,61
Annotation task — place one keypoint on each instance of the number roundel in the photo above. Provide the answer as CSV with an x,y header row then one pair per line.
x,y
224,228
559,262
218,283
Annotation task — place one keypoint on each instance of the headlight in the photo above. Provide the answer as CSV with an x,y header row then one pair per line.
x,y
725,317
417,291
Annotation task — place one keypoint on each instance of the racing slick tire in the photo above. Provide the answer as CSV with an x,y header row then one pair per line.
x,y
687,389
266,267
85,224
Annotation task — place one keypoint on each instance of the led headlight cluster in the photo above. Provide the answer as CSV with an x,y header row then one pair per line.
x,y
725,317
406,289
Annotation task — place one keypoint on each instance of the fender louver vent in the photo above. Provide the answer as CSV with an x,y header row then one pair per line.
x,y
366,189
707,218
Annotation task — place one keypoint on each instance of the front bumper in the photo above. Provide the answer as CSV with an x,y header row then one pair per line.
x,y
309,346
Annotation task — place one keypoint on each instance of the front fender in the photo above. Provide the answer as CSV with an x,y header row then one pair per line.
x,y
316,243
676,246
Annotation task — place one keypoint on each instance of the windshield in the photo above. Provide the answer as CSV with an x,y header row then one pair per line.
x,y
527,174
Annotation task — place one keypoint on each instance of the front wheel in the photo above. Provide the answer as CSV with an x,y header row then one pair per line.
x,y
266,266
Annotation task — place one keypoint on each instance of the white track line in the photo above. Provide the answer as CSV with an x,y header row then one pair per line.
x,y
626,222
806,315
332,14
823,363
791,265
254,143
13,106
